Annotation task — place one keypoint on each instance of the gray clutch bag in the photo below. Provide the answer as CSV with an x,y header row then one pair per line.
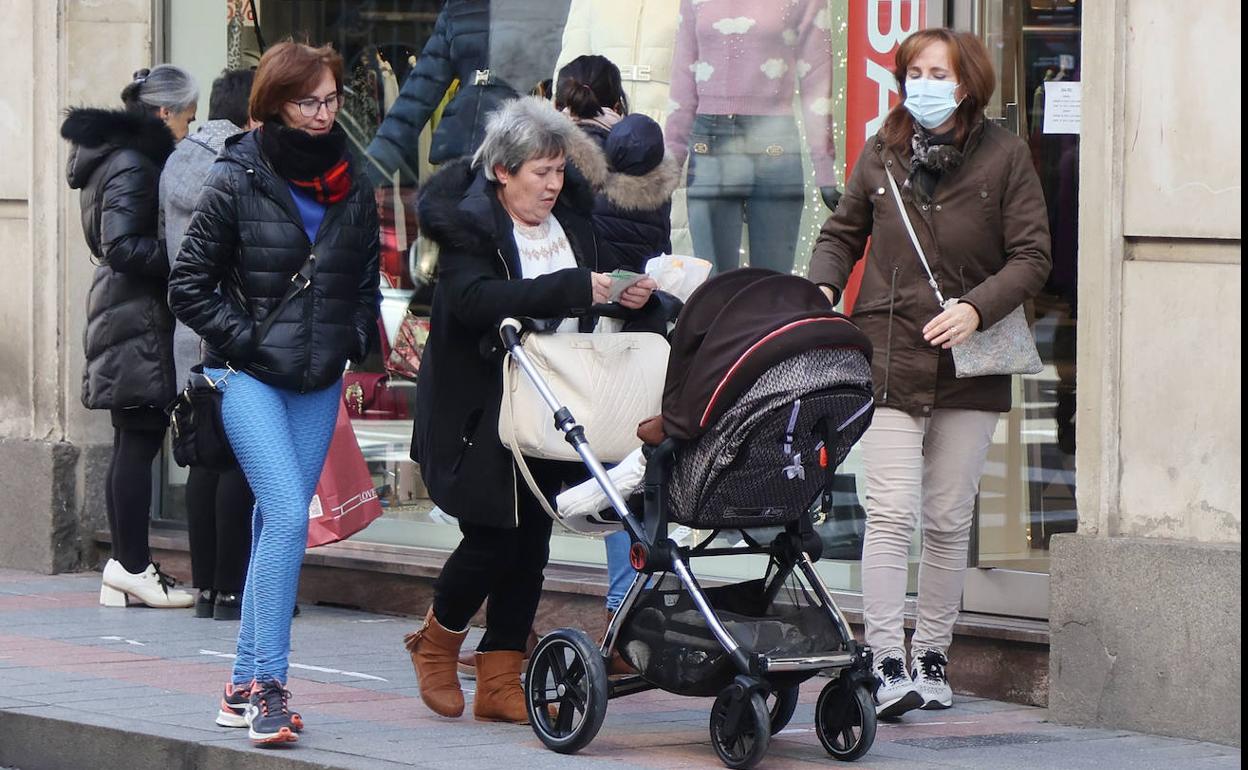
x,y
1006,347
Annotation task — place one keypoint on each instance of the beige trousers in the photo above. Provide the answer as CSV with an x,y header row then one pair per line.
x,y
926,467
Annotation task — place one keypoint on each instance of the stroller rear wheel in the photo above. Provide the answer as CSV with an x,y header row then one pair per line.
x,y
783,704
565,690
845,719
743,743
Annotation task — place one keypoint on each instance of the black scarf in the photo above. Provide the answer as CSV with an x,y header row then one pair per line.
x,y
298,156
933,156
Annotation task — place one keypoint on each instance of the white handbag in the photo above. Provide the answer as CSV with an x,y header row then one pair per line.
x,y
610,383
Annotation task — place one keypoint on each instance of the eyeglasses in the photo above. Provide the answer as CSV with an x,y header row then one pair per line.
x,y
311,106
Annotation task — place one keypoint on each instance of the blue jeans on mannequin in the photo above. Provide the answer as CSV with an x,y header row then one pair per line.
x,y
280,438
745,169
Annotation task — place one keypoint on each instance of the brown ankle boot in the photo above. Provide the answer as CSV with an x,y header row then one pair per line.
x,y
468,658
433,650
500,698
616,665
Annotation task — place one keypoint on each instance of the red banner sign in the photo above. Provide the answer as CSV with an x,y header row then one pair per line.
x,y
876,29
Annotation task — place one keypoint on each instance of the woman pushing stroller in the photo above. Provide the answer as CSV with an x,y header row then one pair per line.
x,y
516,239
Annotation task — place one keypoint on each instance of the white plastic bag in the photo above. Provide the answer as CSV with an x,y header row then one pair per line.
x,y
579,506
678,275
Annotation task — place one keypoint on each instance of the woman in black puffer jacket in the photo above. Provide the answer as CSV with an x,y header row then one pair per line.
x,y
116,161
278,274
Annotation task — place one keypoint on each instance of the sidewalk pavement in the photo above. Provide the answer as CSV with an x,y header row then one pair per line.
x,y
83,686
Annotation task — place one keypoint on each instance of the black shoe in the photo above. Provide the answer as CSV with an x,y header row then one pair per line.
x,y
269,720
203,603
295,614
227,607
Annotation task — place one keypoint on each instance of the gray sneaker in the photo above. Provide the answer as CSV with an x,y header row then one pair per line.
x,y
928,671
896,694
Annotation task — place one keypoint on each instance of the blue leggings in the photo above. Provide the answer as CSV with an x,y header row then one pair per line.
x,y
280,438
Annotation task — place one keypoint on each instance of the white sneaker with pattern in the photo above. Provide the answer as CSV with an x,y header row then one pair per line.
x,y
928,671
896,694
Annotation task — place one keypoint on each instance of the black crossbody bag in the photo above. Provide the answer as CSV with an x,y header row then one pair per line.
x,y
199,438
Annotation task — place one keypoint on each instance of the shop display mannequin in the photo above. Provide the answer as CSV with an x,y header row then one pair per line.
x,y
737,67
496,49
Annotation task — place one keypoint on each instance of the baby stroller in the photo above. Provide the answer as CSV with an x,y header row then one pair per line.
x,y
767,390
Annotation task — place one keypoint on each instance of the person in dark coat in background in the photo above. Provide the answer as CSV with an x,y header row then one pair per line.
x,y
279,274
638,227
116,161
516,237
496,49
218,505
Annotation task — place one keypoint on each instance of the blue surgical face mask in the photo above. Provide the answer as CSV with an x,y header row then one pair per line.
x,y
931,102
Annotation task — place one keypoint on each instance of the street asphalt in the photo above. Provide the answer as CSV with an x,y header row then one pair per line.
x,y
84,686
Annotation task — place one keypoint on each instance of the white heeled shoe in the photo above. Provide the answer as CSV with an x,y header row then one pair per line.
x,y
151,587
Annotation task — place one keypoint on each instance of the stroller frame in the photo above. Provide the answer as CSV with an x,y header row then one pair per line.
x,y
845,714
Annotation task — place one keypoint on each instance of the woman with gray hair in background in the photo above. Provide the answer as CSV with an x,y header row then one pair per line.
x,y
116,161
516,239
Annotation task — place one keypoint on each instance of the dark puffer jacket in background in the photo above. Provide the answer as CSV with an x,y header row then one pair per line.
x,y
116,161
247,236
634,220
515,41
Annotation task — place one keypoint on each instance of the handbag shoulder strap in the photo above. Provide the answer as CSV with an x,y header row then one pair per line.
x,y
298,282
519,458
914,239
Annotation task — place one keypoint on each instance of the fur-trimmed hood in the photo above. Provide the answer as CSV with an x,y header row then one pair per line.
x,y
457,204
97,133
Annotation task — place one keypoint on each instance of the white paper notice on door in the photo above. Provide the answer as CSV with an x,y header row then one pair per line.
x,y
1063,106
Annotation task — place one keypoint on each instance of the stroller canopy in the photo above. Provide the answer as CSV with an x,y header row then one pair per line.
x,y
735,327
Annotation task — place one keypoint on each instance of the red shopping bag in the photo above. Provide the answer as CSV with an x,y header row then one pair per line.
x,y
345,501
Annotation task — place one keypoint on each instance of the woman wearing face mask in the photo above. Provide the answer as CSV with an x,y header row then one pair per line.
x,y
278,274
116,161
977,209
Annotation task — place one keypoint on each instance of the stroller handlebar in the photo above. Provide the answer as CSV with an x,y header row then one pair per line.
x,y
509,331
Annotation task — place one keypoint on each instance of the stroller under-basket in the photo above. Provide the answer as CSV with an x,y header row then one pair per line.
x,y
766,392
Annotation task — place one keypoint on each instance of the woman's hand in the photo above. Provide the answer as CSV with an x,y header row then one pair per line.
x,y
600,283
636,296
953,326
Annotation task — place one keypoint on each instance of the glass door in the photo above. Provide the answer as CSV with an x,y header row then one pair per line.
x,y
1028,490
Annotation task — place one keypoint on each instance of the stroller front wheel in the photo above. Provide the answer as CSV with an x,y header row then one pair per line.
x,y
565,690
743,744
845,719
782,707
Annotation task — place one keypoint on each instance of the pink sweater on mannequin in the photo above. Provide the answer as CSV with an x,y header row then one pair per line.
x,y
751,57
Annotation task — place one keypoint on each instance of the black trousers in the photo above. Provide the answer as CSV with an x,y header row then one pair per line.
x,y
128,493
503,566
218,518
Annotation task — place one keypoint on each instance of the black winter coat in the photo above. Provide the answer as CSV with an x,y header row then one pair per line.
x,y
469,473
633,228
247,237
514,42
116,161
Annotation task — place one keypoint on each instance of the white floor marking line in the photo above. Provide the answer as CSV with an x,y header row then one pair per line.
x,y
320,669
122,639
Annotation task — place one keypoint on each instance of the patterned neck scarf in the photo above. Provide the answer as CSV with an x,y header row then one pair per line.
x,y
316,165
932,156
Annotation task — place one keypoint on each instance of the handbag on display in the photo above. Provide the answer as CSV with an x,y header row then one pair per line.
x,y
346,500
409,345
198,430
368,396
1006,347
610,383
